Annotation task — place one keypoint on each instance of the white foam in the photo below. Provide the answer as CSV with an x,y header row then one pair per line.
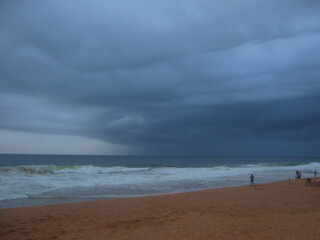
x,y
21,181
99,170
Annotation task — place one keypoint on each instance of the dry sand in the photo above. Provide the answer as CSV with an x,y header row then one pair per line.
x,y
268,211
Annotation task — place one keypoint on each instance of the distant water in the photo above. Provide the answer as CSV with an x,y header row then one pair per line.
x,y
30,180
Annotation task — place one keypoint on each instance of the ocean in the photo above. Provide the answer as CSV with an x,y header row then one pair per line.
x,y
33,180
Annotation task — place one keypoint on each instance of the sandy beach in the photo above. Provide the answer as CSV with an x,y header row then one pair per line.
x,y
268,211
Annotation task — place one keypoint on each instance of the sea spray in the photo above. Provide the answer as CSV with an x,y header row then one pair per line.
x,y
36,183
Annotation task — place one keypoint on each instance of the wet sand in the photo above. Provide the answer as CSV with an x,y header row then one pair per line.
x,y
268,211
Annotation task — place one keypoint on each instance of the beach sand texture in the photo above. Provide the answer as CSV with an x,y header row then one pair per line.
x,y
268,211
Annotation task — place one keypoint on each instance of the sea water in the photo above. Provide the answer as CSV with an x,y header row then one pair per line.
x,y
30,180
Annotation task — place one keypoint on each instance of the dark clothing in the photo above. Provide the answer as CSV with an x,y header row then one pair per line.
x,y
298,174
251,179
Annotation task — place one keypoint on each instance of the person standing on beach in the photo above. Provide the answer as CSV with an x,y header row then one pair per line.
x,y
315,173
298,174
251,179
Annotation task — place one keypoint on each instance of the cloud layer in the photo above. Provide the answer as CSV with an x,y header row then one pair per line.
x,y
183,77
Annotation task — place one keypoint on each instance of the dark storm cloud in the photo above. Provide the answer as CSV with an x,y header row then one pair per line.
x,y
192,77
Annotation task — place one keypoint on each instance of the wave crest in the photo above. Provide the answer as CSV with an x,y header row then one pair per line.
x,y
81,169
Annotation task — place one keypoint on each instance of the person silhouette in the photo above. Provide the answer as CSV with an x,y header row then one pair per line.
x,y
251,179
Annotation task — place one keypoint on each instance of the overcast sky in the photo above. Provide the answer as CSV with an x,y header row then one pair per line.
x,y
189,77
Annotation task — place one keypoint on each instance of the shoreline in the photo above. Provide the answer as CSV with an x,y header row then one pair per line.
x,y
89,199
270,210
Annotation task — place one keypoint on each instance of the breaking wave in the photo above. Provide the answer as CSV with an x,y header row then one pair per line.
x,y
79,181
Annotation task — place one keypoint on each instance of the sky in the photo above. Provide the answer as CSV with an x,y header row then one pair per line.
x,y
151,77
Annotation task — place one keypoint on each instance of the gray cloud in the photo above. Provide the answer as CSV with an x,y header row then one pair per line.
x,y
184,77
